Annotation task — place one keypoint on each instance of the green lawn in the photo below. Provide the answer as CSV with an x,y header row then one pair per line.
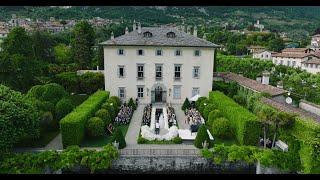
x,y
104,140
44,139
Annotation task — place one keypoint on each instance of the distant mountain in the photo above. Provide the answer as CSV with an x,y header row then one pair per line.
x,y
297,21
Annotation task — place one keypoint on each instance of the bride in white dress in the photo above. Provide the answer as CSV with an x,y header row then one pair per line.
x,y
161,121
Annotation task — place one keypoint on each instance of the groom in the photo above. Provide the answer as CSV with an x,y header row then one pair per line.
x,y
157,127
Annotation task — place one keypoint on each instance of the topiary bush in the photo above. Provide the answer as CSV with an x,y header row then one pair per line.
x,y
186,104
118,136
132,104
200,101
73,125
63,107
214,114
208,108
203,104
110,109
49,92
115,100
221,128
202,135
104,115
95,127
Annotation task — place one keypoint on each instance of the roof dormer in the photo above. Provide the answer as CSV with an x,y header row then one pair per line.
x,y
147,34
171,34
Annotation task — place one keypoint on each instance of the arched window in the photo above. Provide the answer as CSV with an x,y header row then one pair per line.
x,y
147,34
171,34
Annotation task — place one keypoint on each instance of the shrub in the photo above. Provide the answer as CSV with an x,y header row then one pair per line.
x,y
202,135
63,107
203,104
47,121
69,80
18,118
177,140
73,125
186,105
132,104
95,127
221,128
49,92
200,101
91,82
104,115
208,108
142,140
110,109
213,115
116,100
245,124
118,136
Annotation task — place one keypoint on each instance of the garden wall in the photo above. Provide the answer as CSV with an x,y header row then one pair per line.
x,y
169,165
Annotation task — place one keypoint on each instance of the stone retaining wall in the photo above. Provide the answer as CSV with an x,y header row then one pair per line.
x,y
308,106
168,165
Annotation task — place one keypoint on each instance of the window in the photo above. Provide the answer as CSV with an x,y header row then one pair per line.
x,y
178,52
177,72
171,35
275,61
309,58
140,91
293,63
197,53
147,34
288,63
122,93
120,52
267,55
195,91
158,71
140,52
158,52
140,71
120,71
196,72
261,55
311,65
176,92
281,62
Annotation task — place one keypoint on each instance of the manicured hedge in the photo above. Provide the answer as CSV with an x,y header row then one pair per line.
x,y
245,124
73,125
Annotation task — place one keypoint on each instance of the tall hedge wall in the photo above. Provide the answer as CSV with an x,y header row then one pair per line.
x,y
72,126
245,124
308,133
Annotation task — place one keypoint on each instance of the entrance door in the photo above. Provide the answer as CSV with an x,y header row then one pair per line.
x,y
158,94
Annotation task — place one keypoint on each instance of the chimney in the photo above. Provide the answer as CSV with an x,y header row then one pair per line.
x,y
139,28
195,31
134,27
188,30
112,36
265,77
204,36
127,30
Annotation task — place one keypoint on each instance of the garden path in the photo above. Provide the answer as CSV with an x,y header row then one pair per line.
x,y
180,117
55,144
134,127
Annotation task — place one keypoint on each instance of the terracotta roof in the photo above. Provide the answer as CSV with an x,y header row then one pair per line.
x,y
294,55
311,61
252,84
263,50
298,50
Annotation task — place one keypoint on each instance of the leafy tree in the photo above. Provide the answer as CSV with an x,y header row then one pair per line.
x,y
18,118
266,115
62,54
81,44
282,119
42,44
90,82
276,45
104,115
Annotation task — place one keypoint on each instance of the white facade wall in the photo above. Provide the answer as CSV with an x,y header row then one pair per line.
x,y
285,60
130,59
311,68
263,55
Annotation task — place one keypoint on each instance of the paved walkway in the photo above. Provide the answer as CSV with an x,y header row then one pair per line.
x,y
180,117
134,127
55,144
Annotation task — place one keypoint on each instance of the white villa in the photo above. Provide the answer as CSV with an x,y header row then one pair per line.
x,y
263,54
158,64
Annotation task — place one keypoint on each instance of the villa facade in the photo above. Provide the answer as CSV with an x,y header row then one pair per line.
x,y
158,64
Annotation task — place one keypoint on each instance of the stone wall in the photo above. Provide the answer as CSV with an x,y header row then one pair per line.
x,y
308,106
185,165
